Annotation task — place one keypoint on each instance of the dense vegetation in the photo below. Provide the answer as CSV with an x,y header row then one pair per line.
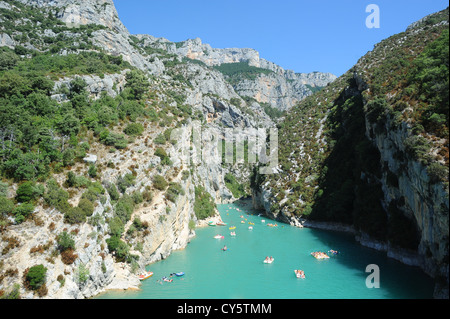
x,y
411,85
204,206
236,188
49,121
236,72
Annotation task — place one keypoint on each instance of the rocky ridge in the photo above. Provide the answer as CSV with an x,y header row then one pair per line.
x,y
280,88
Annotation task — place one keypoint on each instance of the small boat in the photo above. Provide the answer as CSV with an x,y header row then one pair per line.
x,y
233,234
250,227
145,275
232,227
221,223
219,237
319,255
269,260
334,252
242,222
179,274
299,273
250,223
263,220
211,223
167,279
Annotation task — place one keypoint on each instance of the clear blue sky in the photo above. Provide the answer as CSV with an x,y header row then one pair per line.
x,y
304,36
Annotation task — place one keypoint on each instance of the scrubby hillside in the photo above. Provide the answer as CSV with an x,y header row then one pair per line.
x,y
93,187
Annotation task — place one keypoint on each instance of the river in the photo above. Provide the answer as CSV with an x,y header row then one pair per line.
x,y
239,272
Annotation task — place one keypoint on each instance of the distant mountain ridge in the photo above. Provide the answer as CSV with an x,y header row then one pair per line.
x,y
281,88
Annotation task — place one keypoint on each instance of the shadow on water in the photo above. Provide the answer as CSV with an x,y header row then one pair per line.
x,y
395,277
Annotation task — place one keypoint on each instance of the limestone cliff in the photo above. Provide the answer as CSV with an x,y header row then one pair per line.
x,y
280,88
360,153
188,90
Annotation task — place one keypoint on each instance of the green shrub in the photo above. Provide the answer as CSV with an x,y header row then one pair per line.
x,y
86,206
162,154
121,249
36,276
437,172
112,191
112,139
185,175
124,208
125,181
8,60
28,191
56,197
160,139
75,215
234,186
116,227
173,191
204,205
377,110
417,147
159,182
138,83
134,129
137,197
92,171
71,179
81,274
3,189
65,241
22,211
6,206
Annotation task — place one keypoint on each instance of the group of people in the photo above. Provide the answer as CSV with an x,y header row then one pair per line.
x,y
268,259
299,273
319,255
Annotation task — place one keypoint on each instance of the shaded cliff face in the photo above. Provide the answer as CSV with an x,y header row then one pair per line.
x,y
371,149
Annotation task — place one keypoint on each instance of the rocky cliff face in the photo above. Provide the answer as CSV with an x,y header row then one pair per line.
x,y
168,223
281,88
76,13
398,200
183,75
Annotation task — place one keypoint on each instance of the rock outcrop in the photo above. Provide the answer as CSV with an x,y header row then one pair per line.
x,y
281,88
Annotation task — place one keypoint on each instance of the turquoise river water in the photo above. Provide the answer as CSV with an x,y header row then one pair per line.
x,y
239,272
